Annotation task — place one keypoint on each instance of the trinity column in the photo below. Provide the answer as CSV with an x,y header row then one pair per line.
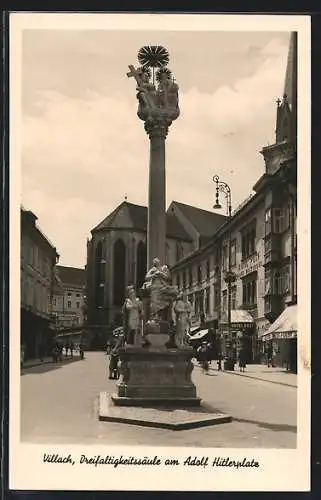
x,y
157,95
156,368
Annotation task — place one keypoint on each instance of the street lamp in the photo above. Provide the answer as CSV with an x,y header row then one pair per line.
x,y
229,277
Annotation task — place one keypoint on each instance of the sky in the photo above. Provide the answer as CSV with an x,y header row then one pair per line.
x,y
84,148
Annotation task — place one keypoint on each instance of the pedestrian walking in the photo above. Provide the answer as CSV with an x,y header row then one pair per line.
x,y
269,355
114,357
55,353
203,357
66,349
81,351
71,347
242,360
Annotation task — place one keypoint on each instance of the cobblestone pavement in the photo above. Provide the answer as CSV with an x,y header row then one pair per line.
x,y
59,404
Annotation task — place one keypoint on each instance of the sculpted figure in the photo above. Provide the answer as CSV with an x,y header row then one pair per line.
x,y
173,95
146,95
182,309
132,316
157,280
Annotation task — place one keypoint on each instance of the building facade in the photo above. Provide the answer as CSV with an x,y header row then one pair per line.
x,y
68,299
38,260
117,256
263,238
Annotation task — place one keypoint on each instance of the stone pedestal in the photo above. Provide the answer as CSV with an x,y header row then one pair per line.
x,y
156,376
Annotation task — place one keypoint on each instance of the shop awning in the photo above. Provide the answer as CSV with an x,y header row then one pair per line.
x,y
199,335
284,327
240,318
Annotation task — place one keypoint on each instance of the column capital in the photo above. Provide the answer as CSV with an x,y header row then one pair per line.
x,y
157,128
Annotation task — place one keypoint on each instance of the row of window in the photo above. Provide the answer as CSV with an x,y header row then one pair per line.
x,y
35,257
186,277
276,220
34,294
69,303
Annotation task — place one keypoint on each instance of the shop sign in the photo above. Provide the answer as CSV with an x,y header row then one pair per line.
x,y
279,336
240,326
249,266
285,335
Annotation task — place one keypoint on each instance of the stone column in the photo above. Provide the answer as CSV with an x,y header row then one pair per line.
x,y
156,226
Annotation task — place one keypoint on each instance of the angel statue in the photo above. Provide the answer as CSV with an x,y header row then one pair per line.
x,y
182,309
132,316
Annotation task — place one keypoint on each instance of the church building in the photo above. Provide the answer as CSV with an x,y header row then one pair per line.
x,y
117,255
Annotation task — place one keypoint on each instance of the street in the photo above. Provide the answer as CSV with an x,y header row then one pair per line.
x,y
59,404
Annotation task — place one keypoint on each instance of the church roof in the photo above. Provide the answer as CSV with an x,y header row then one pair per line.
x,y
71,275
130,216
206,223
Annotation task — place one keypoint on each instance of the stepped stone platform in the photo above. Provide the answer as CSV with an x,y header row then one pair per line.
x,y
156,390
163,417
156,376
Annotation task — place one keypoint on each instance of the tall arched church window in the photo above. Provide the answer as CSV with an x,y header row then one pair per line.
x,y
141,260
119,274
99,275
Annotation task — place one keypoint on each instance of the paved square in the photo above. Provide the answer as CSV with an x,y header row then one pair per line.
x,y
59,404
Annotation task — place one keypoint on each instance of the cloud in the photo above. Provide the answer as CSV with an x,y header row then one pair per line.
x,y
82,154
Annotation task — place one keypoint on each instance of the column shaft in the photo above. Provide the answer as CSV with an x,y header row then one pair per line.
x,y
156,232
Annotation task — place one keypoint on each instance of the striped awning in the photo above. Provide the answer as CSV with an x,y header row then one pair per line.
x,y
239,318
284,327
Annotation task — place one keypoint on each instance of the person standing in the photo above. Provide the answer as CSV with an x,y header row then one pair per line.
x,y
242,360
55,353
269,355
81,351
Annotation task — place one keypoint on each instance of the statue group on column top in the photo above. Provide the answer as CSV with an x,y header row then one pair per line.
x,y
155,103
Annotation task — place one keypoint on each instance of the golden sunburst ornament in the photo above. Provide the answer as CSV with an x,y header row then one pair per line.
x,y
161,72
153,56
